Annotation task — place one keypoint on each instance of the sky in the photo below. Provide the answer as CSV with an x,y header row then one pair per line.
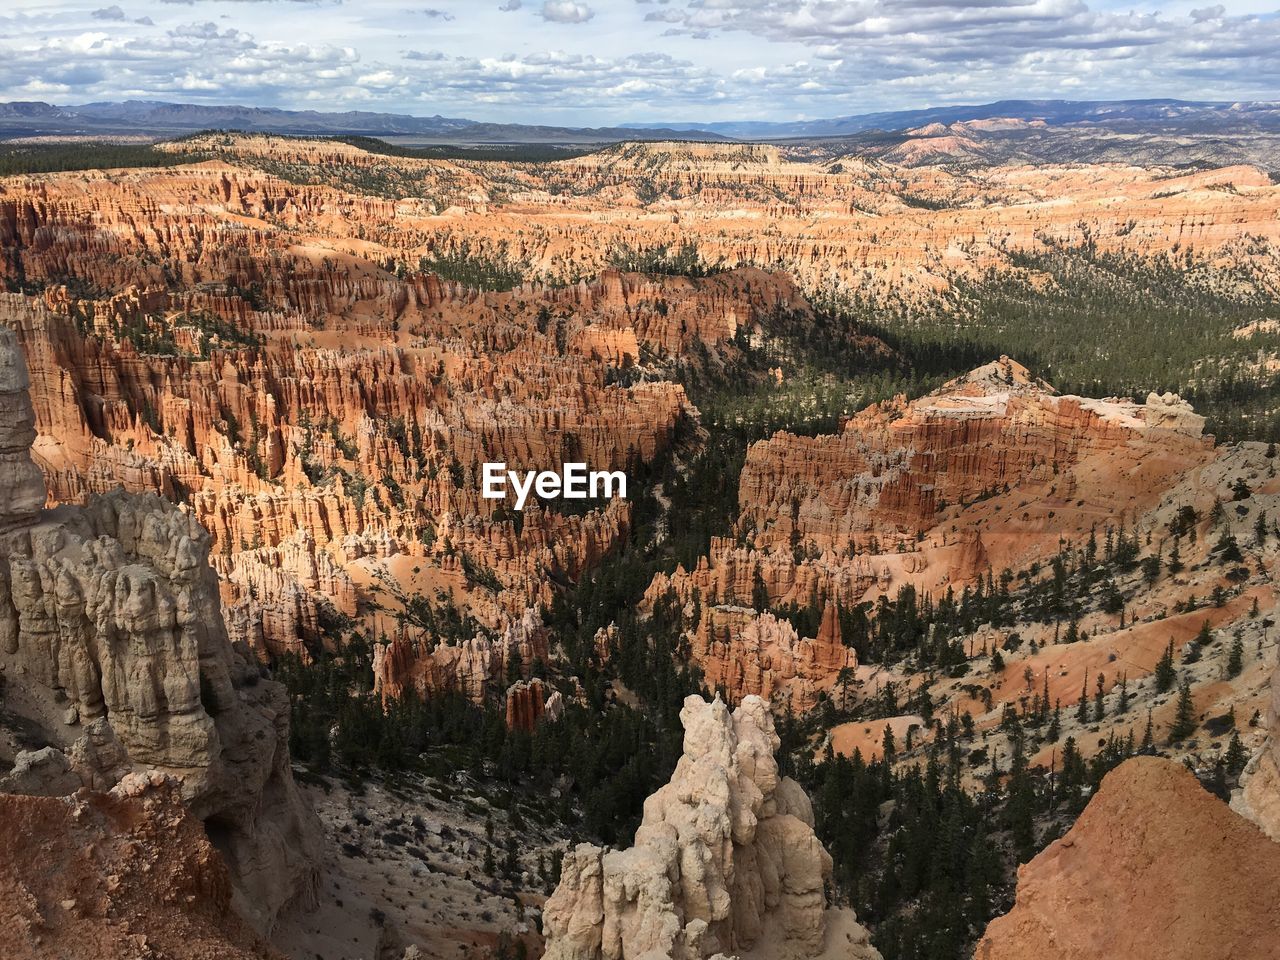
x,y
598,62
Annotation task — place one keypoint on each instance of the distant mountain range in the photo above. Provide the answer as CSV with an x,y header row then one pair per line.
x,y
1180,113
18,119
34,118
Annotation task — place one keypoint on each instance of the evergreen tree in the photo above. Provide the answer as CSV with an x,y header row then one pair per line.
x,y
1184,721
1151,564
1082,706
1235,659
1236,757
1165,674
1148,738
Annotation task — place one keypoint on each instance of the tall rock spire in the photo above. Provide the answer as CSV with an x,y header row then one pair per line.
x,y
725,862
21,483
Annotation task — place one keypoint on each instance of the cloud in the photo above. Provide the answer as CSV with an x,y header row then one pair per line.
x,y
770,59
1208,13
566,11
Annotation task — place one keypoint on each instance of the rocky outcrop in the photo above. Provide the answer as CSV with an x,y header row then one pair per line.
x,y
1259,796
21,485
725,860
742,652
115,876
1154,869
469,667
857,514
526,704
888,477
112,610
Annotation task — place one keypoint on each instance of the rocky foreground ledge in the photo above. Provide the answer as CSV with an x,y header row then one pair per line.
x,y
113,647
1155,869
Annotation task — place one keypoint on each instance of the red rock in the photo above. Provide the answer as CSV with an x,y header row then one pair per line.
x,y
1154,868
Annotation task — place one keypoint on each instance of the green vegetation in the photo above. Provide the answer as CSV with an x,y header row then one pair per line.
x,y
682,261
507,153
1101,324
60,157
473,269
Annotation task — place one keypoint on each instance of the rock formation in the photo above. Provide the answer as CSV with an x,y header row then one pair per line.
x,y
742,653
112,611
1259,797
21,485
1154,869
887,478
115,876
725,860
469,667
526,704
986,473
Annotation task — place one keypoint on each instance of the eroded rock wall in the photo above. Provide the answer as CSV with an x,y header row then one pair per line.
x,y
110,617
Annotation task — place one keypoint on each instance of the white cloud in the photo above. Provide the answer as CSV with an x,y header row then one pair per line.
x,y
566,11
720,59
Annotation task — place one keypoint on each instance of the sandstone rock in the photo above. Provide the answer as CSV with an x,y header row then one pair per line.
x,y
21,485
115,607
1155,867
725,859
526,704
1259,796
115,876
743,653
40,773
470,667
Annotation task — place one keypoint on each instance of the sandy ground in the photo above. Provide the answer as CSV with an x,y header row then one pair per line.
x,y
406,867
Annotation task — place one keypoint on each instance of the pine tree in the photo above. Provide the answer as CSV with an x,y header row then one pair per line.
x,y
1082,708
1236,757
1123,706
1165,674
889,748
1099,704
1148,738
1151,564
1055,725
1235,660
1073,631
1184,721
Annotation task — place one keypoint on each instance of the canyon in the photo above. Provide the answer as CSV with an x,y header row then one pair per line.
x,y
256,604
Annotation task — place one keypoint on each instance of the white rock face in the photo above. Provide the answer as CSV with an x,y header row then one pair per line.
x,y
725,860
21,485
113,607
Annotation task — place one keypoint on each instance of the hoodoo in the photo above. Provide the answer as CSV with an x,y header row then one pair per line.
x,y
725,861
110,617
